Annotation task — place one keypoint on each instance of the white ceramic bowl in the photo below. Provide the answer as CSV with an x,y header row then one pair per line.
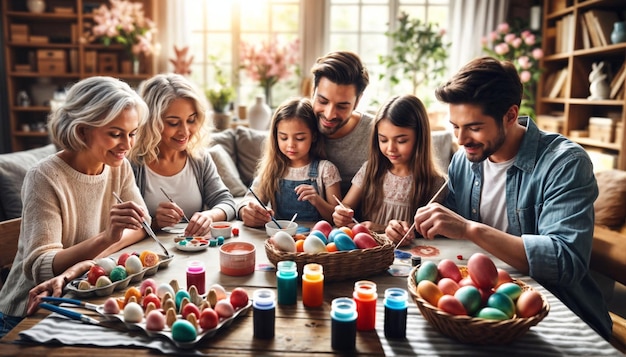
x,y
237,258
221,229
271,228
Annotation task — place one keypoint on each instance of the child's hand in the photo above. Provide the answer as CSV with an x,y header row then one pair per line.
x,y
397,229
342,216
253,215
307,193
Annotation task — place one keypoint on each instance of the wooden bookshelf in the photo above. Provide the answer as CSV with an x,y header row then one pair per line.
x,y
47,47
574,50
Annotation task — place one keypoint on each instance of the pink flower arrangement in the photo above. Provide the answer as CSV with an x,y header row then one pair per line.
x,y
523,49
124,23
269,61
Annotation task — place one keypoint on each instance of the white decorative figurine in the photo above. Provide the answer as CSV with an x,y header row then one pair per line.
x,y
598,87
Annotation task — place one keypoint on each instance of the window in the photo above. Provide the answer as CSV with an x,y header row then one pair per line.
x,y
217,28
360,26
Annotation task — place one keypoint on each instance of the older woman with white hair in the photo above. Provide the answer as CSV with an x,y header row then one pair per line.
x,y
70,215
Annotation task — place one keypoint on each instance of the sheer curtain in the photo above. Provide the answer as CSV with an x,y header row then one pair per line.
x,y
173,30
470,20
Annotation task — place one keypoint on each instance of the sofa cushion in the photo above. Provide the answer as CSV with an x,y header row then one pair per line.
x,y
227,170
610,206
227,140
13,168
249,149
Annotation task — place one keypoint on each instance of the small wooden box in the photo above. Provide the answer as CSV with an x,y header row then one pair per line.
x,y
38,39
19,33
51,62
107,63
601,129
550,123
23,68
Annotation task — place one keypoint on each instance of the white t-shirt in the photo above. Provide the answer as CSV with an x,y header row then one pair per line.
x,y
493,195
181,187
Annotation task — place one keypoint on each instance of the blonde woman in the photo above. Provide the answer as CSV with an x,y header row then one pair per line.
x,y
170,157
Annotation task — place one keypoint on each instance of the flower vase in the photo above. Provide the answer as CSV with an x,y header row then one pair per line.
x,y
619,32
136,65
268,95
36,6
259,114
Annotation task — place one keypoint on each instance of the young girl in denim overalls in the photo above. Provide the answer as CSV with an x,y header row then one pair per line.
x,y
293,175
400,174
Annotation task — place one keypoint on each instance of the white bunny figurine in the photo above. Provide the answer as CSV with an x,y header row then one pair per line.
x,y
598,87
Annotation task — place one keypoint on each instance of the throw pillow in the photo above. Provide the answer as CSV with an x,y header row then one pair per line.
x,y
225,138
13,168
227,170
249,149
610,206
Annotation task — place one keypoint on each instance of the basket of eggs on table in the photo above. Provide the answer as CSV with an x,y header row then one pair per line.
x,y
477,303
344,253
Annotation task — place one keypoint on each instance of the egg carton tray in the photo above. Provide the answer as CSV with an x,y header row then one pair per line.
x,y
107,290
166,333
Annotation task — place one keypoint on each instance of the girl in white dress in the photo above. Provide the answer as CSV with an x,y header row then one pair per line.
x,y
400,174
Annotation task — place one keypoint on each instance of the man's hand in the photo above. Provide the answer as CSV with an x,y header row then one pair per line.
x,y
434,219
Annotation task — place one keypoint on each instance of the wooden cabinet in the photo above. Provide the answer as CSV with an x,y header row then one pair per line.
x,y
568,47
45,53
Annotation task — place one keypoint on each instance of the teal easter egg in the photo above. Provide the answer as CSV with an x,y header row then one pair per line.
x,y
503,303
333,233
470,297
491,313
180,294
427,271
319,235
184,331
118,273
344,242
512,290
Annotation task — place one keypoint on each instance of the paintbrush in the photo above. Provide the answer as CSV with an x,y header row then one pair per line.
x,y
172,201
147,228
445,183
265,208
344,207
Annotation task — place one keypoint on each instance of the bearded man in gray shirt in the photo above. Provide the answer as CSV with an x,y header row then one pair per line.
x,y
339,80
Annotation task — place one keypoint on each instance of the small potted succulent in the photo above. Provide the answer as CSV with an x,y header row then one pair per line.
x,y
220,96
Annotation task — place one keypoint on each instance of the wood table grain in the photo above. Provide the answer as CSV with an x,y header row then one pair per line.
x,y
306,331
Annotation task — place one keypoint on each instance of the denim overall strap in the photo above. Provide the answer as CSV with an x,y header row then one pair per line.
x,y
287,200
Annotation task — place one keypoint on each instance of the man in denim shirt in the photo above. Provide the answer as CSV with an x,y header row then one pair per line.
x,y
524,195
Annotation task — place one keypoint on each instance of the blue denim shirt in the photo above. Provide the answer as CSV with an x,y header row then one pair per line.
x,y
550,191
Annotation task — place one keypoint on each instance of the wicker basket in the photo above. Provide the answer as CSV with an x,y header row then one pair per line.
x,y
472,329
341,265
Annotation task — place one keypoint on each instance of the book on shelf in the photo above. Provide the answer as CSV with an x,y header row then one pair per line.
x,y
603,21
593,29
556,89
585,33
617,83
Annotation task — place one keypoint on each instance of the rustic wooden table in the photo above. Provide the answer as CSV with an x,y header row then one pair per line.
x,y
301,330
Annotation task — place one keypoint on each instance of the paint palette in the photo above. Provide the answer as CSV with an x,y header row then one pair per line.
x,y
191,244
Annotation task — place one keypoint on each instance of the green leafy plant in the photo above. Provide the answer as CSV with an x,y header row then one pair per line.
x,y
419,52
222,94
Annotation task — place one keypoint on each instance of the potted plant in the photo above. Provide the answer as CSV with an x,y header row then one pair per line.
x,y
418,53
220,96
